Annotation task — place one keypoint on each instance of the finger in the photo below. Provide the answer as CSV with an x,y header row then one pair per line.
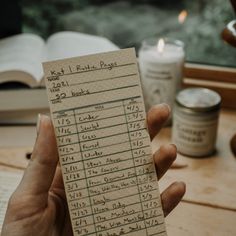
x,y
39,174
58,181
67,230
57,184
172,196
164,158
156,118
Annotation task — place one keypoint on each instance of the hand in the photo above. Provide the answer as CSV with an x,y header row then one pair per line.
x,y
164,157
38,206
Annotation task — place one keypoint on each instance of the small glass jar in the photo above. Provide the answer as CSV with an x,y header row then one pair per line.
x,y
161,62
195,121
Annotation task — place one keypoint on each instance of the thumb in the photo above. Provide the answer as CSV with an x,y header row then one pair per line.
x,y
40,172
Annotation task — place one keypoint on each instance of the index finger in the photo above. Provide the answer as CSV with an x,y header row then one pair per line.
x,y
156,118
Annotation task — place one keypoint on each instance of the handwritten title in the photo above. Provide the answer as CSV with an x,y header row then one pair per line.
x,y
82,68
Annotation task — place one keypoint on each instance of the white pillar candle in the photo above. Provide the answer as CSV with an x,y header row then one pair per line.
x,y
161,66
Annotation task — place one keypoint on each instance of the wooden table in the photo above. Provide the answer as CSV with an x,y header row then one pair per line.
x,y
209,206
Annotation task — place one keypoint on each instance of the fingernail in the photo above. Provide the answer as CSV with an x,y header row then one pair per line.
x,y
166,106
172,144
38,124
163,105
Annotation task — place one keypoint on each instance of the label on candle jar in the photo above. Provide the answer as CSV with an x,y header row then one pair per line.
x,y
195,121
194,137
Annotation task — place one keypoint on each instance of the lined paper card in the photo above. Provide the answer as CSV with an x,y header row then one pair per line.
x,y
97,108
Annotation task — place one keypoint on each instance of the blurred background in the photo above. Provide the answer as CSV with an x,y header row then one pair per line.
x,y
198,23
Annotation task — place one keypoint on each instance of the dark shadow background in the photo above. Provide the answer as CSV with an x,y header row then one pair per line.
x,y
10,18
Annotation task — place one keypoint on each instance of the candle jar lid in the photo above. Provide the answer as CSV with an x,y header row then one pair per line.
x,y
198,100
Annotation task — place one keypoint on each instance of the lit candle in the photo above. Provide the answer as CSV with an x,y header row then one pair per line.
x,y
161,66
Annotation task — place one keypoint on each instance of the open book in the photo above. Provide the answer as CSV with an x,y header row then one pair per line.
x,y
21,55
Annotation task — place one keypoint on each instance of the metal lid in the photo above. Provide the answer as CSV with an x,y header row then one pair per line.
x,y
199,99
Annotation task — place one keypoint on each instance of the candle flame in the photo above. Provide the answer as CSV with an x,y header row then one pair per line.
x,y
160,45
182,16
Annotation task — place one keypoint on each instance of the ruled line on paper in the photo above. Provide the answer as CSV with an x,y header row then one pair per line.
x,y
86,71
95,104
99,80
87,177
84,122
61,114
132,223
114,144
97,205
71,172
101,91
120,162
104,148
123,216
105,127
124,188
119,198
114,153
94,139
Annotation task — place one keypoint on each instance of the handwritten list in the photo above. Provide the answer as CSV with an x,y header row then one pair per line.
x,y
98,114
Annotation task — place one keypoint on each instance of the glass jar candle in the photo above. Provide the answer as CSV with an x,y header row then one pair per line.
x,y
161,67
195,121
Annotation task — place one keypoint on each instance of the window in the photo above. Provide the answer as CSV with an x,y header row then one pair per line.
x,y
127,23
197,23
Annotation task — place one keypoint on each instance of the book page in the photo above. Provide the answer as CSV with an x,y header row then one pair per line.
x,y
72,44
8,183
23,52
98,113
